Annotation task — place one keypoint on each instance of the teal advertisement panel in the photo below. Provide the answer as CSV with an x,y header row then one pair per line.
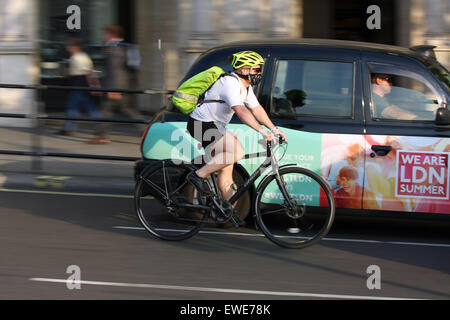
x,y
171,140
303,149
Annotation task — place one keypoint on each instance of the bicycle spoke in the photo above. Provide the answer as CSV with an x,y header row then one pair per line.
x,y
165,180
155,186
175,214
310,218
304,222
188,220
273,211
177,190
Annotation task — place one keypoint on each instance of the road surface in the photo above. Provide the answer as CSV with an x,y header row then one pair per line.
x,y
48,238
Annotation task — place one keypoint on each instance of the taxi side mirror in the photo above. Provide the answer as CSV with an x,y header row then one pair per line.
x,y
442,116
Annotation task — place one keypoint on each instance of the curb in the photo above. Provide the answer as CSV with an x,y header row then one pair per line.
x,y
67,184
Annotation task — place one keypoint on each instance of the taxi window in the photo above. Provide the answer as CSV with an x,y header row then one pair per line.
x,y
400,94
313,88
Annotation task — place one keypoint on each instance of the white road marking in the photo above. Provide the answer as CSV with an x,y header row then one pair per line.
x,y
106,195
78,194
444,245
218,290
201,231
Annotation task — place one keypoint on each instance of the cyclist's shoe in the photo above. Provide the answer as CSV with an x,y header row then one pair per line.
x,y
237,221
200,184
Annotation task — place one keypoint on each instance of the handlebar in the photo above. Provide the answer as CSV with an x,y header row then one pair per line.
x,y
280,141
269,144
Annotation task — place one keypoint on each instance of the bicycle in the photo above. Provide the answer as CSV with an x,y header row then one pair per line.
x,y
294,207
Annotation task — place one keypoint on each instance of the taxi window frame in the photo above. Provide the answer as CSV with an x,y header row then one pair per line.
x,y
309,116
391,126
409,68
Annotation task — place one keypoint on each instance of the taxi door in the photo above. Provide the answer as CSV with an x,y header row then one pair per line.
x,y
406,167
314,95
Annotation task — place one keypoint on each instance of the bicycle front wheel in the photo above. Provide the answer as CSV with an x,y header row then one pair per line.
x,y
165,202
296,209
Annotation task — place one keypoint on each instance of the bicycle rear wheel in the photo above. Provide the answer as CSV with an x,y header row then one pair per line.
x,y
165,202
302,225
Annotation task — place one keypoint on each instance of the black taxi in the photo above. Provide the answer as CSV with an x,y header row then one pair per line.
x,y
371,119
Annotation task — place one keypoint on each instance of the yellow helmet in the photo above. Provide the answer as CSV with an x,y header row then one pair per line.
x,y
246,58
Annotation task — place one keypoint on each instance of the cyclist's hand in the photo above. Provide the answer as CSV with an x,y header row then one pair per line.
x,y
278,132
268,136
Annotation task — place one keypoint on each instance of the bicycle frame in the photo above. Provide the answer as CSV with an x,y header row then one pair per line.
x,y
269,161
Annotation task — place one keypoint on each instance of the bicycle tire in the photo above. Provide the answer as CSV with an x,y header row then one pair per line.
x,y
314,204
163,220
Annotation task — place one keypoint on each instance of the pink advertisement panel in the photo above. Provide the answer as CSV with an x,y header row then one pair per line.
x,y
412,177
422,175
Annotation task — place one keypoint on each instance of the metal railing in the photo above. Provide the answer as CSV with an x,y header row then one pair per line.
x,y
37,151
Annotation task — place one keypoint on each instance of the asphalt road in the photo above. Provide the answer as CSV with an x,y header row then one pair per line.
x,y
42,235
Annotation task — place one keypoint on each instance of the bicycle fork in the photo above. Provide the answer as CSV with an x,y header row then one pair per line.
x,y
293,210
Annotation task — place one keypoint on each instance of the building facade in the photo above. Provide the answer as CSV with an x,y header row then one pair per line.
x,y
18,58
172,33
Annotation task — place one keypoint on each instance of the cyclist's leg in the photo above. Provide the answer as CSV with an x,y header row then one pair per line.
x,y
221,152
226,151
225,182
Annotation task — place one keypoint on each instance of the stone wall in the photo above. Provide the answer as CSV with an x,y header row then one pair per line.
x,y
18,58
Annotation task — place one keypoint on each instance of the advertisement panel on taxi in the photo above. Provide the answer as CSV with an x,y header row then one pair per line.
x,y
412,177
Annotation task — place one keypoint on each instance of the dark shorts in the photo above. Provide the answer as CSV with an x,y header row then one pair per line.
x,y
206,132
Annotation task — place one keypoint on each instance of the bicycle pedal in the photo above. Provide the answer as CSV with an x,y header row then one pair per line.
x,y
237,221
213,215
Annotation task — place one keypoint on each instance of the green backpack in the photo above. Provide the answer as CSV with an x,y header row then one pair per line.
x,y
191,92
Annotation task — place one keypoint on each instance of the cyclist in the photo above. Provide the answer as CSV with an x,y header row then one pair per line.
x,y
207,123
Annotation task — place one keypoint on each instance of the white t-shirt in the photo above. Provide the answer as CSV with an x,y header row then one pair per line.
x,y
231,90
80,64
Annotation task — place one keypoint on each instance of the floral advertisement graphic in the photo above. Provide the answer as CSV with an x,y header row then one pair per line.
x,y
413,176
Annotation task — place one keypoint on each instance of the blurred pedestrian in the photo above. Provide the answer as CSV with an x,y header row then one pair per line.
x,y
117,75
81,74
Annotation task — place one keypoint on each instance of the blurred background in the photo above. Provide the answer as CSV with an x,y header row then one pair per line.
x,y
171,34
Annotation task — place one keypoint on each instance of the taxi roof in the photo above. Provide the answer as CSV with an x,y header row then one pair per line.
x,y
330,43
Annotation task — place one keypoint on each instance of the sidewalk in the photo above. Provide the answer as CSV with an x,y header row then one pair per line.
x,y
69,174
